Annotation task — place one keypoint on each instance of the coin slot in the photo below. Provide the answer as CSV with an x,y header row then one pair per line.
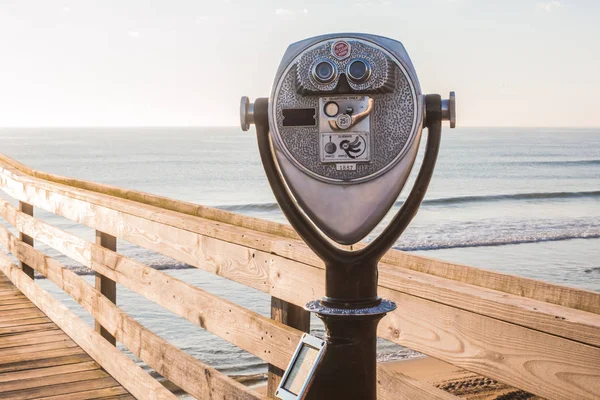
x,y
299,117
331,109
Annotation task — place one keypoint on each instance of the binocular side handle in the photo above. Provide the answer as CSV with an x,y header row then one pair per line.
x,y
372,253
323,248
433,122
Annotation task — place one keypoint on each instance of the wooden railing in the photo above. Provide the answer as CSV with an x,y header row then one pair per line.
x,y
539,337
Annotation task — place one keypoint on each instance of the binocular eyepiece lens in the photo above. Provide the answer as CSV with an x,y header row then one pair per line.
x,y
358,70
324,71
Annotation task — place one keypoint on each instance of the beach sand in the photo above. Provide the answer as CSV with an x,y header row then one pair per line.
x,y
454,380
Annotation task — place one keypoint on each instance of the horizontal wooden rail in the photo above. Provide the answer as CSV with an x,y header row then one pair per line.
x,y
179,206
518,356
291,249
281,339
245,226
253,268
242,327
117,364
180,368
547,349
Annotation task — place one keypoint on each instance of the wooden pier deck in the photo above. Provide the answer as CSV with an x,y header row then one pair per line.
x,y
39,361
530,335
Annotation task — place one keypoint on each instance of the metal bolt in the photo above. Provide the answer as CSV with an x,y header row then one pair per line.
x,y
449,110
246,113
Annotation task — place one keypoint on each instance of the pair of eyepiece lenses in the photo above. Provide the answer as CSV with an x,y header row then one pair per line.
x,y
358,71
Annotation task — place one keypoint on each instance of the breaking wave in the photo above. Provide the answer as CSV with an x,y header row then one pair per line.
x,y
497,242
274,207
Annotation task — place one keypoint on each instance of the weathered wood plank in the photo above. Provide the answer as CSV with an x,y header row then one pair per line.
x,y
118,365
91,394
524,287
27,314
561,321
14,301
49,380
22,312
29,335
181,368
24,322
539,363
15,354
66,388
122,397
7,298
537,290
14,350
285,275
439,330
104,285
15,307
27,328
49,371
45,361
251,268
35,338
5,292
16,361
179,206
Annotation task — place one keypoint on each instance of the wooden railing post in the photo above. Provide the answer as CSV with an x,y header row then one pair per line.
x,y
291,315
26,209
106,286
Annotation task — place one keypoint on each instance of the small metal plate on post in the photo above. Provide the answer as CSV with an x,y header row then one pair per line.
x,y
300,373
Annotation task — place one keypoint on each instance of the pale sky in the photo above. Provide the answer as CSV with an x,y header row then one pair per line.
x,y
182,63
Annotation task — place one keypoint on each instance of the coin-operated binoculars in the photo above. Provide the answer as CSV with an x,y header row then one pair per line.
x,y
338,138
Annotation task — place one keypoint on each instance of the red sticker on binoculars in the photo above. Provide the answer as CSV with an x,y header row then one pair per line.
x,y
340,49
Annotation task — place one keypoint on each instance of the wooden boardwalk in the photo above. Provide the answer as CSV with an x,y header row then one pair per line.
x,y
536,336
39,361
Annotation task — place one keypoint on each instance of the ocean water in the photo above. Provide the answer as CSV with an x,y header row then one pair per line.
x,y
514,200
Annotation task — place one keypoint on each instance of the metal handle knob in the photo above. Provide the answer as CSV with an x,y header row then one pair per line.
x,y
246,113
449,110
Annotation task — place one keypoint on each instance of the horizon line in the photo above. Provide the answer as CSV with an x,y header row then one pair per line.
x,y
237,126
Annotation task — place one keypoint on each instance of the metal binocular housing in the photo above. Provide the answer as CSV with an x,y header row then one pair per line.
x,y
346,114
